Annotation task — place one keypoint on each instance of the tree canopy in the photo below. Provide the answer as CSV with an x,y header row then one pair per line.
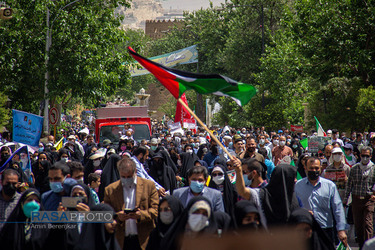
x,y
83,63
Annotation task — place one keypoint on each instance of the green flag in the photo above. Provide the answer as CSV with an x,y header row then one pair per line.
x,y
304,143
299,177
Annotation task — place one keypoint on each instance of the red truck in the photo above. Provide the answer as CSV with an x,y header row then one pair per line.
x,y
110,120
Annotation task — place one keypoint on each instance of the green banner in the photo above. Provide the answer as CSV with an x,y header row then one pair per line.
x,y
182,56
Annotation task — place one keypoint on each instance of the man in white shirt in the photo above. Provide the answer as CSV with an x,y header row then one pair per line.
x,y
135,201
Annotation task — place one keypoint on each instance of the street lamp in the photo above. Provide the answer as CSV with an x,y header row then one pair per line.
x,y
46,76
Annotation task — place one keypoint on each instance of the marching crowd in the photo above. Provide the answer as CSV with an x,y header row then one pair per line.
x,y
177,187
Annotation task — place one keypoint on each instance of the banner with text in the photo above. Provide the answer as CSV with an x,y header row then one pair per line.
x,y
296,128
27,128
182,56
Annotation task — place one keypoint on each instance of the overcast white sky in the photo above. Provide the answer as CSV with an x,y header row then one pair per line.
x,y
189,4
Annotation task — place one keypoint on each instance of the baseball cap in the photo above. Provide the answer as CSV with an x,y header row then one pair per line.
x,y
336,150
348,146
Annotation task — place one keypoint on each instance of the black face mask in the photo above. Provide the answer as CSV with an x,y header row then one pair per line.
x,y
253,226
313,175
9,189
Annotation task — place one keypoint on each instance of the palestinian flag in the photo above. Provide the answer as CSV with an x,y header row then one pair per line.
x,y
319,128
177,81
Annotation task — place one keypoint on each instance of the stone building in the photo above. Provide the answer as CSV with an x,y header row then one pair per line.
x,y
158,28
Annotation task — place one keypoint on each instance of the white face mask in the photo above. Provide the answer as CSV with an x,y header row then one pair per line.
x,y
166,217
262,141
275,142
282,143
218,179
96,163
189,151
127,182
197,222
337,158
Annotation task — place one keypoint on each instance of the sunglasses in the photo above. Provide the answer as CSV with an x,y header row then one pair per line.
x,y
218,174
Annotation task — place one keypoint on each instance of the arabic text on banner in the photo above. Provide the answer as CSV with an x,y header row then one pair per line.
x,y
182,56
27,128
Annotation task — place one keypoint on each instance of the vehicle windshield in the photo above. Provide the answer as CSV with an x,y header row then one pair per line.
x,y
114,132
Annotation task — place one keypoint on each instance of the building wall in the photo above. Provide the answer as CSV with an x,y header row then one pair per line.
x,y
158,28
158,96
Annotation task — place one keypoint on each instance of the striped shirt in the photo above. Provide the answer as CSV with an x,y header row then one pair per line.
x,y
361,181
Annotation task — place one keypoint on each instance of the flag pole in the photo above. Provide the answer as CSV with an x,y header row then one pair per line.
x,y
205,127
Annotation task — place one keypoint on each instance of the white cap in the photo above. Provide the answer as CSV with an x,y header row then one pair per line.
x,y
336,150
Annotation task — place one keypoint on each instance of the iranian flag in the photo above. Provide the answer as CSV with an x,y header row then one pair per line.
x,y
177,81
319,128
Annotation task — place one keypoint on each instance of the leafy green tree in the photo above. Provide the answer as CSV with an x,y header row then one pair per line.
x,y
4,111
323,54
83,60
366,107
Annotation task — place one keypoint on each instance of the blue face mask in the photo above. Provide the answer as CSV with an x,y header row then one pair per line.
x,y
231,144
153,148
196,186
247,181
30,207
41,150
56,187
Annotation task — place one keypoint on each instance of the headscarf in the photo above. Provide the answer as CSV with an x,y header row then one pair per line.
x,y
278,197
300,167
172,237
242,208
17,167
90,201
41,175
167,178
230,195
319,239
95,236
187,161
168,160
13,236
158,233
109,175
201,152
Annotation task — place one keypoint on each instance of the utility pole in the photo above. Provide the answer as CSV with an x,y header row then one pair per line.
x,y
46,76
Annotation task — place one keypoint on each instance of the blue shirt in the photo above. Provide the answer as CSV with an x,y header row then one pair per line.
x,y
51,200
270,168
323,200
141,172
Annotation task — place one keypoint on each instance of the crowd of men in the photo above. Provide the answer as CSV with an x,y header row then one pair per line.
x,y
174,188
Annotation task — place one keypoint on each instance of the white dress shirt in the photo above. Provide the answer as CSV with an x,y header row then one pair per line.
x,y
129,200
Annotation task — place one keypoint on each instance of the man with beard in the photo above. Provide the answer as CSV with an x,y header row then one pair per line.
x,y
140,156
162,173
8,195
250,152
